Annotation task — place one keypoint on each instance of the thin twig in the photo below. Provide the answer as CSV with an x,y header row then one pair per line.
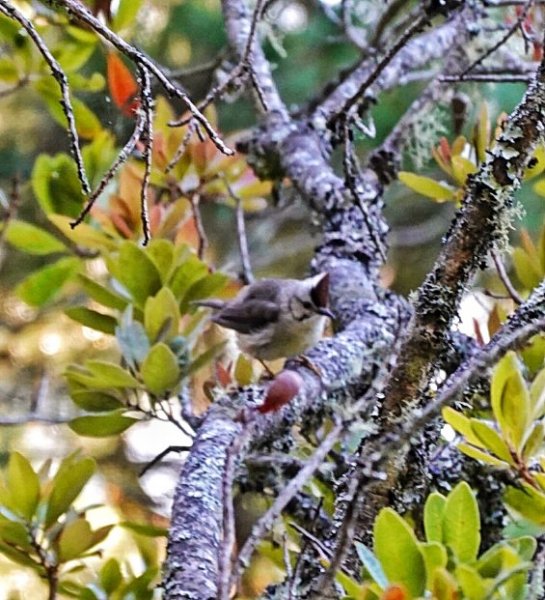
x,y
247,274
242,68
122,157
299,562
147,108
294,486
352,176
162,455
516,25
60,76
504,277
199,225
413,29
487,78
180,151
81,12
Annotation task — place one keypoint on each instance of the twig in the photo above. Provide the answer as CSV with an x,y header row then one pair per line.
x,y
121,159
414,28
147,108
516,25
162,455
504,277
487,78
243,67
226,582
180,151
299,561
247,274
203,240
56,70
81,12
266,521
352,173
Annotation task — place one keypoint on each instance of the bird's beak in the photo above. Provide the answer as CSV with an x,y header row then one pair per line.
x,y
326,313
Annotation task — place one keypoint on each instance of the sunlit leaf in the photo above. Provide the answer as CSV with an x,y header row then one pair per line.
x,y
92,319
32,239
112,423
45,284
70,479
462,524
396,547
23,485
426,187
122,85
160,370
434,510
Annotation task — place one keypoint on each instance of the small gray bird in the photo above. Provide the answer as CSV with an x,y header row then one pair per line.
x,y
276,318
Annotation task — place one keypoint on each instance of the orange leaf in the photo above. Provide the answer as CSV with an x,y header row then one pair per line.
x,y
394,592
122,85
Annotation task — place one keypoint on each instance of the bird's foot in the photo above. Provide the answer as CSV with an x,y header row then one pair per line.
x,y
267,373
304,361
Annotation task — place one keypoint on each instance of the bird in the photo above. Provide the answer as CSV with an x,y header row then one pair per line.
x,y
276,318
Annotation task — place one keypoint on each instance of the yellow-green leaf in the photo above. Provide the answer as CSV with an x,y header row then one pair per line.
x,y
425,186
462,524
160,370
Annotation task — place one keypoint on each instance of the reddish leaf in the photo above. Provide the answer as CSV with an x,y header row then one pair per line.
x,y
122,85
394,592
223,376
283,388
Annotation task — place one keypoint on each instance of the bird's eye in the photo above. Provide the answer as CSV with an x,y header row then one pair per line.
x,y
307,305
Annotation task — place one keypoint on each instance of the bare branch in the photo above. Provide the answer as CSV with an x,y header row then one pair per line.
x,y
10,11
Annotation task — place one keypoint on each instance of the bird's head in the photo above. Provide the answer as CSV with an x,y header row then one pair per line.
x,y
310,298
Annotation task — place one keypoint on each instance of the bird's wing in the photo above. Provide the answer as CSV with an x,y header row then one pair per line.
x,y
247,316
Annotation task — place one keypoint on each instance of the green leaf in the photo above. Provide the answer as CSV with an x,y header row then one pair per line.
x,y
160,370
23,485
425,186
435,558
477,454
132,339
83,235
537,395
70,479
161,253
528,272
525,546
112,423
397,549
126,14
462,425
96,401
136,271
186,275
203,288
110,374
444,586
204,358
45,284
92,319
74,540
244,371
474,587
15,534
56,185
144,529
491,440
102,294
161,315
20,557
528,502
110,575
32,239
534,443
434,510
462,524
371,564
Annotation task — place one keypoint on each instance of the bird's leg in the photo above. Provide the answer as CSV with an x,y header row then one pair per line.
x,y
268,373
306,362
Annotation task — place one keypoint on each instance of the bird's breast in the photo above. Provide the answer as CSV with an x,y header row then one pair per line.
x,y
284,338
